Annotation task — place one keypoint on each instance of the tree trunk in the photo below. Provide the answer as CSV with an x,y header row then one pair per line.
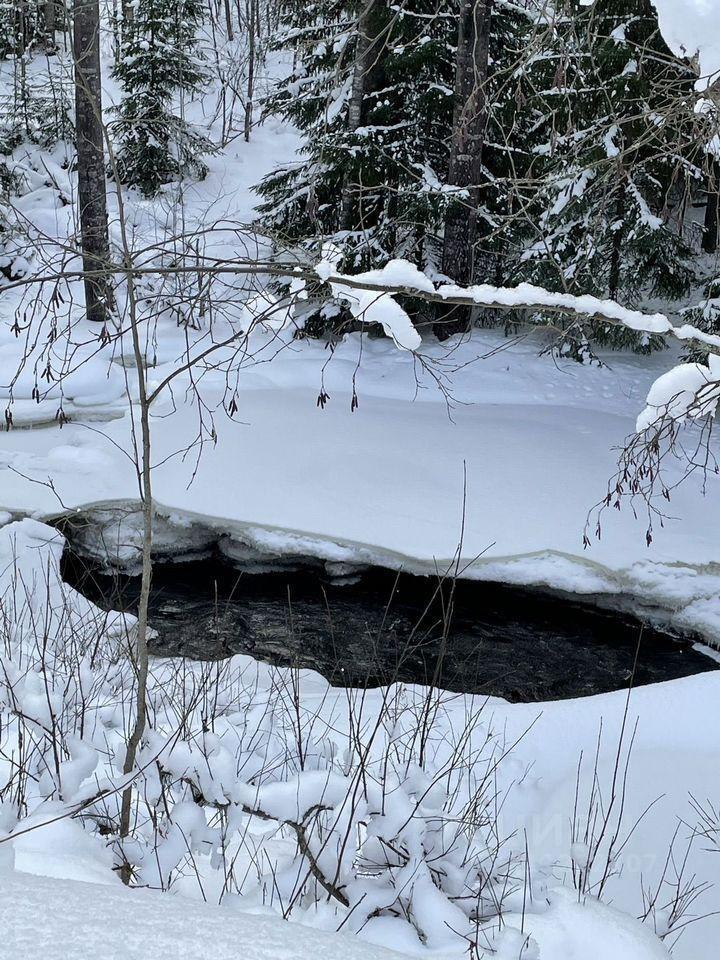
x,y
140,655
228,20
91,159
49,23
469,122
710,233
252,25
364,52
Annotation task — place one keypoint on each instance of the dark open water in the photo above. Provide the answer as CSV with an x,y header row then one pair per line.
x,y
501,640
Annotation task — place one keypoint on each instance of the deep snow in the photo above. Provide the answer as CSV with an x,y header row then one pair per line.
x,y
383,484
140,925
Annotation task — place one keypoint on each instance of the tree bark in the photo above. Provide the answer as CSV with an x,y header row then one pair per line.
x,y
228,21
710,233
364,52
91,159
49,23
252,25
469,123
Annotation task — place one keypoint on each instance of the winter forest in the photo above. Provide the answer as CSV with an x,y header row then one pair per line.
x,y
359,491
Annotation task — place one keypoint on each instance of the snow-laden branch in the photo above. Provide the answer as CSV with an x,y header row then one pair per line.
x,y
687,391
372,298
401,278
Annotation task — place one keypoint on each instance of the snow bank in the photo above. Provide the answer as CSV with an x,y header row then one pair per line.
x,y
64,920
61,920
584,930
241,759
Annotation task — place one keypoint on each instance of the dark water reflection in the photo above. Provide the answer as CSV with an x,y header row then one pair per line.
x,y
501,640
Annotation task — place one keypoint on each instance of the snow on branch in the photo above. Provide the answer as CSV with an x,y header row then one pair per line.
x,y
690,30
688,391
400,278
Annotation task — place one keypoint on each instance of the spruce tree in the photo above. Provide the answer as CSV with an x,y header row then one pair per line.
x,y
373,172
371,92
511,134
36,106
621,157
159,61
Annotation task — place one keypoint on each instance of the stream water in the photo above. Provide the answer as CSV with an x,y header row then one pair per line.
x,y
380,627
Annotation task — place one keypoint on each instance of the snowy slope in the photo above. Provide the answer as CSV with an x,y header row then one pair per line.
x,y
80,921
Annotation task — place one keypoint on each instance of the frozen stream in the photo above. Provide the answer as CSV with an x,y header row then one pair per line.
x,y
380,627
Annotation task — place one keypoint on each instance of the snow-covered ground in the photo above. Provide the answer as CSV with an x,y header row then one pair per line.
x,y
142,926
485,446
662,740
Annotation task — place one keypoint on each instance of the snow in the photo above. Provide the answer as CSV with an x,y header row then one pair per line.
x,y
690,29
688,390
78,917
370,307
378,482
140,925
611,148
674,727
574,931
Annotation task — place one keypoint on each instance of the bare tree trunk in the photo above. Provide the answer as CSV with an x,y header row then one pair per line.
x,y
50,23
228,21
22,29
92,198
252,23
710,233
469,122
364,52
140,655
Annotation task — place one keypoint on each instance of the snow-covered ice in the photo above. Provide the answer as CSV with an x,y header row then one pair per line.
x,y
536,439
